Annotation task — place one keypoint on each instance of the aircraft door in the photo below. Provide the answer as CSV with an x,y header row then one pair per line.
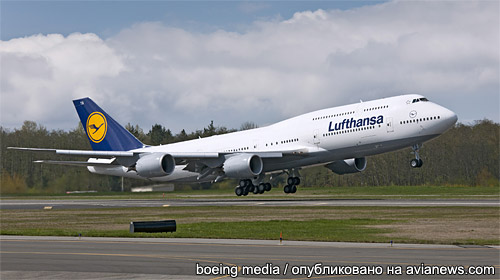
x,y
256,144
316,137
390,126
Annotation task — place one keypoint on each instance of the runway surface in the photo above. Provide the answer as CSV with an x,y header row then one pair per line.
x,y
119,258
104,203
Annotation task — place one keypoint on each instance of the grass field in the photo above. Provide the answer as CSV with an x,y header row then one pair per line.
x,y
445,225
382,192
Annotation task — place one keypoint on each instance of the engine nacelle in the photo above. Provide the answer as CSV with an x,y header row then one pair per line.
x,y
347,166
243,166
155,165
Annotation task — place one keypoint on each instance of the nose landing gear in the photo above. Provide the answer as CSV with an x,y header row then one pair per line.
x,y
417,161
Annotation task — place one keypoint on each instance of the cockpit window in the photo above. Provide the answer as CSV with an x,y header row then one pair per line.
x,y
419,99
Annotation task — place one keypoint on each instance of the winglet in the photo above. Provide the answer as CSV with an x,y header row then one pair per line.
x,y
103,132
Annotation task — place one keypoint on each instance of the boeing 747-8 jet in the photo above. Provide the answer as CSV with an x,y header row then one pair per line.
x,y
339,138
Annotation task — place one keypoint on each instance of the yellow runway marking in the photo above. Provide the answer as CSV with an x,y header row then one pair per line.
x,y
221,277
321,277
305,259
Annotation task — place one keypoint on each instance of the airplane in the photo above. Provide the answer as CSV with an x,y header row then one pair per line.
x,y
339,138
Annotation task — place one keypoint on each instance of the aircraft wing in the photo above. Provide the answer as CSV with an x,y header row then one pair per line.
x,y
177,155
107,158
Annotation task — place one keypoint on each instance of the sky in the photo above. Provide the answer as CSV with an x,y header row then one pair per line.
x,y
182,64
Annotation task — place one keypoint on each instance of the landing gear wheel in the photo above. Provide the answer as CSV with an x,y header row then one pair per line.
x,y
261,188
293,181
255,190
287,189
238,191
267,187
252,188
245,191
416,163
294,189
296,181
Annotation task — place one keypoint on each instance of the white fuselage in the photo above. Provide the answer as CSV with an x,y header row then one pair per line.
x,y
320,137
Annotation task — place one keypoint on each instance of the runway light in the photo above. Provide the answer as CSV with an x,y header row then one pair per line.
x,y
165,205
47,208
391,243
281,238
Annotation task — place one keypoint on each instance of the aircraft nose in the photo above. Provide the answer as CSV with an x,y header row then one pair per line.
x,y
449,117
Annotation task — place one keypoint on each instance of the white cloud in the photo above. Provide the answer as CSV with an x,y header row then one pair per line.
x,y
41,74
152,73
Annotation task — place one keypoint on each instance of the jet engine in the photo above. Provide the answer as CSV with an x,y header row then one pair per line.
x,y
155,165
347,166
243,166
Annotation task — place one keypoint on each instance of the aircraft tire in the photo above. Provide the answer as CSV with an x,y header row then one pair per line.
x,y
296,181
420,163
238,191
414,163
255,190
286,189
267,187
293,189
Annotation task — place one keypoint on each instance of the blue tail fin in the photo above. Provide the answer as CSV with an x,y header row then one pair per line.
x,y
104,133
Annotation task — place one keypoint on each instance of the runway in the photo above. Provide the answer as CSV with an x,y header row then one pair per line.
x,y
104,203
118,258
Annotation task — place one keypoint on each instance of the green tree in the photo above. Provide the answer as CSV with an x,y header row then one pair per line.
x,y
160,135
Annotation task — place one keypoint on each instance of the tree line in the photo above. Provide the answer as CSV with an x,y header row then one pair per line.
x,y
465,155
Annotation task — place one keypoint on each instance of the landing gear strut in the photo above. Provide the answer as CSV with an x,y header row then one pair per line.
x,y
417,161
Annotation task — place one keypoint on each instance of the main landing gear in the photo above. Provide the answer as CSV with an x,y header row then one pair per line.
x,y
246,186
292,182
417,161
